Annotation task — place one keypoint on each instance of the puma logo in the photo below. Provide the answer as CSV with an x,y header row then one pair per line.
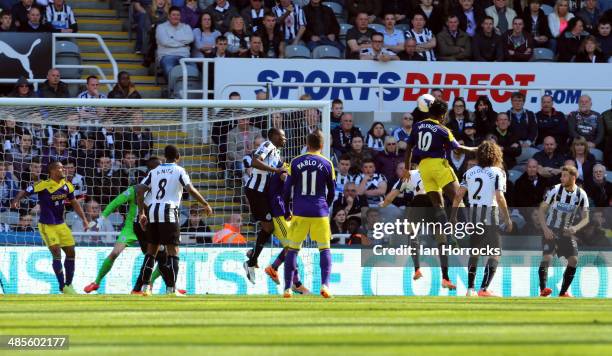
x,y
22,58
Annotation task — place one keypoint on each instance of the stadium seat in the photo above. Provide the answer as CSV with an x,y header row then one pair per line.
x,y
513,175
71,219
377,27
326,52
597,153
402,27
526,153
543,55
337,8
175,81
297,52
68,53
610,60
116,219
547,9
609,176
9,217
344,27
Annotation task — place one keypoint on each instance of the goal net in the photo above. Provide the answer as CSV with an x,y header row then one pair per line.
x,y
105,145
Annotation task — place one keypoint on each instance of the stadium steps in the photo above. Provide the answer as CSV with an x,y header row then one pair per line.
x,y
84,13
95,24
90,4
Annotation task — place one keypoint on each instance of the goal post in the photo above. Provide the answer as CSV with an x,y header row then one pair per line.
x,y
105,144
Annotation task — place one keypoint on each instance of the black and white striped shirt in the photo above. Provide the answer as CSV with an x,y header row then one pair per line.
x,y
482,184
87,95
165,183
374,183
414,185
269,155
60,19
375,143
293,21
421,38
341,180
563,206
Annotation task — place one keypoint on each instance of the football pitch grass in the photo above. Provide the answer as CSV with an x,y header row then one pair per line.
x,y
311,325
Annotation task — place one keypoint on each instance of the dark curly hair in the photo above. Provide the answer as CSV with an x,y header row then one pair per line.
x,y
438,109
489,155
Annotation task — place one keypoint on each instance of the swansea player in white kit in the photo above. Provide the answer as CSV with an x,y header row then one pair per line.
x,y
563,203
159,216
485,185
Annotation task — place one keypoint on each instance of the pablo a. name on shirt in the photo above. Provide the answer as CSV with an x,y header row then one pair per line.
x,y
309,162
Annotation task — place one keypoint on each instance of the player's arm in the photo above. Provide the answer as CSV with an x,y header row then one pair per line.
x,y
466,149
20,195
541,219
585,217
141,190
195,194
389,198
503,207
77,208
381,190
408,158
118,201
331,186
456,202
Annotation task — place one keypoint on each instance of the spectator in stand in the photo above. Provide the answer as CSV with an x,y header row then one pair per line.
x,y
20,12
136,138
92,212
530,188
590,14
597,230
398,8
124,89
410,51
518,43
586,123
190,13
322,27
255,48
158,13
57,152
239,144
103,186
484,116
35,22
434,15
22,89
387,159
25,223
371,183
581,156
220,50
8,187
458,161
61,17
342,174
458,116
358,153
237,37
73,133
77,180
551,123
470,137
253,15
507,140
589,52
502,16
369,7
426,41
173,41
377,52
603,36
204,37
272,37
358,37
337,110
108,140
607,118
140,10
10,133
349,201
53,87
470,17
128,174
344,134
523,122
453,43
536,23
570,40
291,19
29,177
6,22
598,188
87,154
558,20
222,13
91,112
230,233
195,224
394,38
550,160
375,137
486,44
338,222
402,133
23,153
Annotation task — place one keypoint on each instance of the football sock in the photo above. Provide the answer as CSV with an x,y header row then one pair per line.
x,y
443,262
262,239
69,267
59,273
162,268
174,267
104,269
325,263
568,277
296,278
415,256
543,274
147,269
489,272
472,266
279,259
290,266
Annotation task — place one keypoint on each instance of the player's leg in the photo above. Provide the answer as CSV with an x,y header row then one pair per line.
x,y
153,238
492,239
472,268
170,238
568,248
548,248
260,211
281,229
67,244
298,231
321,233
141,236
107,265
51,240
439,216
